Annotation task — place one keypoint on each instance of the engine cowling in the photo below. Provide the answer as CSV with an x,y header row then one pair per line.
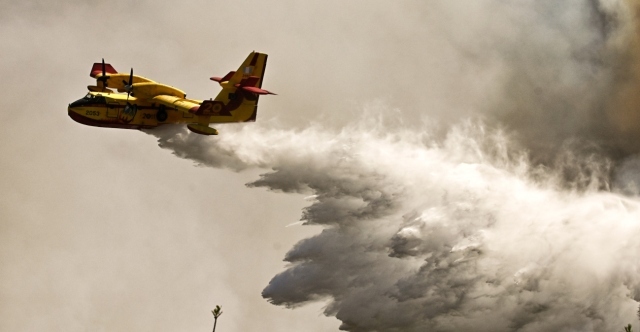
x,y
152,89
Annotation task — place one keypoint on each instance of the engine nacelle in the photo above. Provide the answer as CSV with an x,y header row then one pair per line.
x,y
152,89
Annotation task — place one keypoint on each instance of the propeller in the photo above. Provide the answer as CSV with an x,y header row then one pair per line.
x,y
129,86
104,76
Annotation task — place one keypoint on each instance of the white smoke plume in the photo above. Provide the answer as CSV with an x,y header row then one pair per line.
x,y
446,236
562,71
467,231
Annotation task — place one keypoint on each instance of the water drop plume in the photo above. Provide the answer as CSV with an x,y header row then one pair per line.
x,y
524,219
435,234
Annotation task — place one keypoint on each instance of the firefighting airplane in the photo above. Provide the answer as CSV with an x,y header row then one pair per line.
x,y
148,104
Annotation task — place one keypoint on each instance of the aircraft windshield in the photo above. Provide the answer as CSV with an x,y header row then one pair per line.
x,y
89,99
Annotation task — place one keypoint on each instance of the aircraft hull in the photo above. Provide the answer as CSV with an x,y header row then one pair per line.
x,y
104,124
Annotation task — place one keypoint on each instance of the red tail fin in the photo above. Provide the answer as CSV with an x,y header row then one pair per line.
x,y
97,69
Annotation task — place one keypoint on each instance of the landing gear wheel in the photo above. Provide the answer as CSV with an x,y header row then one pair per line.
x,y
162,115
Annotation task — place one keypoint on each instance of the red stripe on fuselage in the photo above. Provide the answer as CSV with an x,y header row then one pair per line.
x,y
95,123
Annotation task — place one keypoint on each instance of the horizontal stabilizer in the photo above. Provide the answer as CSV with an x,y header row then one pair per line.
x,y
257,91
250,81
223,79
202,129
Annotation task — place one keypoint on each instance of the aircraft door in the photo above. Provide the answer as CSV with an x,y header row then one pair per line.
x,y
112,110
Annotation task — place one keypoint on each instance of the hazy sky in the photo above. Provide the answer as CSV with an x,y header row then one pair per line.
x,y
101,229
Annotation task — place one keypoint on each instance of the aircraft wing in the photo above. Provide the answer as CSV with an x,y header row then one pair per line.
x,y
180,104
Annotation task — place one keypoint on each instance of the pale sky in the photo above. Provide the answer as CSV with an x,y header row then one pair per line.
x,y
100,229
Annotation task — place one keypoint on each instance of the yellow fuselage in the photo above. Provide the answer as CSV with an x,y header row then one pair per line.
x,y
112,110
148,104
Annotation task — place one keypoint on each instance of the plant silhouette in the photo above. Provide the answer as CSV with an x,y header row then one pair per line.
x,y
217,312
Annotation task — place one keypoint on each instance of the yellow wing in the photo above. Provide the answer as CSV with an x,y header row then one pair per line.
x,y
177,103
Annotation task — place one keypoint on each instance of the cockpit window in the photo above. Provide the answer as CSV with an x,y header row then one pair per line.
x,y
95,99
90,99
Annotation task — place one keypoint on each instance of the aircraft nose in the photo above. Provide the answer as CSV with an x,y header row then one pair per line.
x,y
71,110
76,103
76,115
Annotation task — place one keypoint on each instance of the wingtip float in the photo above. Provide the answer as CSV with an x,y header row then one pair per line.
x,y
148,104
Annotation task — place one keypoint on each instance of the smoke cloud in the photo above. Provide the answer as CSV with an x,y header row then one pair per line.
x,y
569,75
506,219
448,235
